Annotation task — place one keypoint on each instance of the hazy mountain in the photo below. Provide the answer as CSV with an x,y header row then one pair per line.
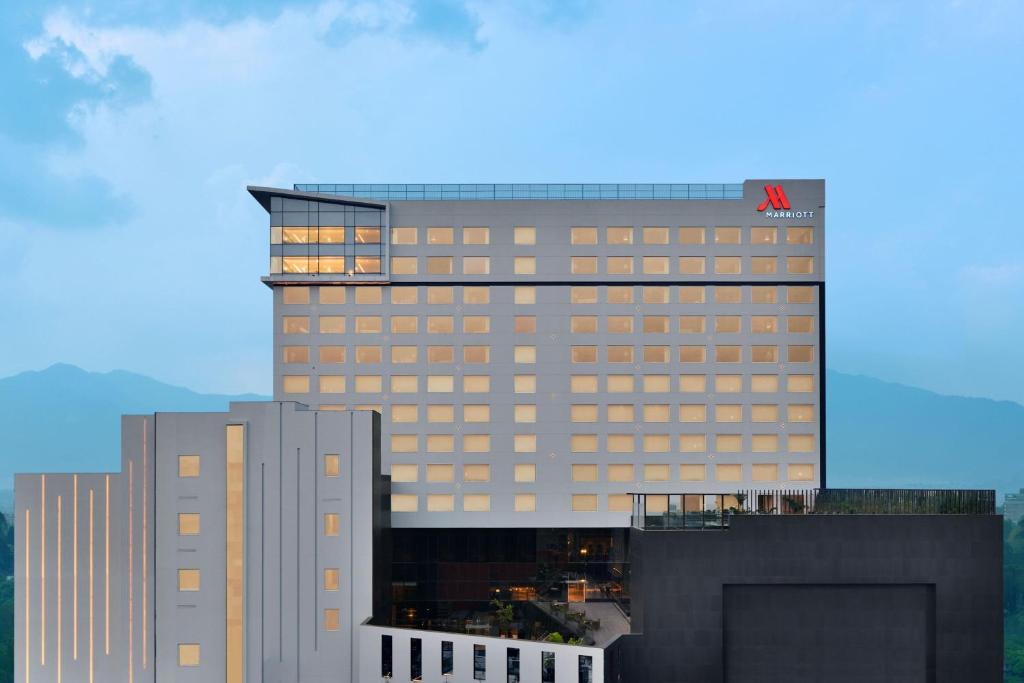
x,y
65,419
879,434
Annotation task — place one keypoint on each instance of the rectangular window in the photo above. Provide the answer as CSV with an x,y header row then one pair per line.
x,y
656,413
729,235
727,324
525,472
368,354
799,235
476,265
332,295
332,579
800,265
404,443
440,413
764,354
403,235
583,236
441,443
415,659
693,443
583,443
369,295
800,383
763,265
476,235
440,295
619,235
691,324
188,523
655,354
623,412
728,472
440,265
525,295
618,295
332,465
404,413
764,472
332,355
404,384
800,412
692,354
188,654
584,502
525,324
404,265
523,235
437,235
691,235
583,413
767,235
547,667
367,324
728,295
583,384
584,472
655,295
525,265
583,295
800,324
799,295
620,265
365,384
188,580
476,384
188,466
656,473
584,354
386,663
691,265
727,265
800,354
691,295
447,658
728,413
764,412
440,474
692,472
476,295
525,502
404,502
476,502
655,235
295,384
619,324
689,384
764,295
332,524
404,472
800,472
728,354
365,264
476,324
525,413
729,384
295,295
656,324
620,384
476,473
475,355
656,443
332,619
764,443
583,265
440,324
440,354
295,324
476,443
621,443
801,443
693,413
764,384
440,502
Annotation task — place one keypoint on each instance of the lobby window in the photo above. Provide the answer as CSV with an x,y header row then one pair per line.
x,y
440,502
188,523
295,324
188,466
691,295
655,235
404,502
366,264
799,235
621,412
367,235
476,265
763,265
728,235
728,265
403,235
764,235
295,295
584,502
440,324
476,384
476,235
764,472
332,618
583,265
404,265
524,235
405,473
691,265
583,384
295,384
525,502
800,353
764,384
620,265
332,524
728,295
692,472
188,654
800,265
800,472
188,580
525,324
440,473
332,465
436,235
691,235
583,236
332,579
525,265
439,265
525,295
693,443
332,295
764,412
693,413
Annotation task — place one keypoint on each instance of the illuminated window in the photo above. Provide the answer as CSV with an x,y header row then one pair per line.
x,y
405,473
525,413
584,472
728,295
476,265
365,384
440,443
728,384
764,295
654,354
764,443
367,354
440,413
689,384
476,502
801,443
188,466
440,502
369,295
476,413
692,354
439,474
656,413
692,472
764,235
332,579
692,443
476,473
691,324
800,265
653,235
620,502
525,265
764,412
188,580
800,383
476,443
764,354
364,264
476,384
583,413
295,324
476,324
332,465
655,295
525,324
583,295
619,295
404,384
524,384
620,384
404,443
800,412
800,295
440,354
583,236
621,412
440,324
404,502
728,413
188,523
691,265
621,443
524,235
188,654
763,265
403,235
476,235
727,235
619,324
525,502
764,472
728,443
295,384
795,235
475,295
583,443
440,235
440,295
367,324
583,265
584,354
583,384
728,472
475,355
524,354
800,324
584,502
620,473
367,235
620,235
656,443
295,295
332,295
691,295
332,355
439,265
656,324
727,265
401,355
800,354
525,295
764,384
332,618
332,384
691,235
656,473
440,384
404,413
727,324
620,265
404,265
525,472
728,354
800,472
299,264
693,413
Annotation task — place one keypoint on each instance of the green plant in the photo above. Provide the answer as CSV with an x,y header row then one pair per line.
x,y
504,612
554,637
573,640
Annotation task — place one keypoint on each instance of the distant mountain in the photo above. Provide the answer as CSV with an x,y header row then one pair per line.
x,y
879,434
65,419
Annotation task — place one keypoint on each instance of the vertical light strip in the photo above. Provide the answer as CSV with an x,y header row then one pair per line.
x,y
235,555
74,573
42,571
145,534
131,570
106,571
60,586
91,628
28,593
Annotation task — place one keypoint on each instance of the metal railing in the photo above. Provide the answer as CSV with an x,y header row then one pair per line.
x,y
715,510
535,191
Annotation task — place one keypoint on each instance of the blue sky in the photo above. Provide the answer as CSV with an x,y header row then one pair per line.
x,y
128,131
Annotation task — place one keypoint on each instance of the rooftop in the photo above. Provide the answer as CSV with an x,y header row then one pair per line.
x,y
529,191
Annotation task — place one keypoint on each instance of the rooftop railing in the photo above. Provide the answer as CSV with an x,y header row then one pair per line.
x,y
535,191
714,511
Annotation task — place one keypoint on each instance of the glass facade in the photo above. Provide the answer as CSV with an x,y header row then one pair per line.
x,y
535,191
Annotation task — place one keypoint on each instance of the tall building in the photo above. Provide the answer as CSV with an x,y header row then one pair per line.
x,y
528,433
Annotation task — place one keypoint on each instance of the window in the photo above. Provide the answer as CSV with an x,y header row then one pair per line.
x,y
333,324
295,384
583,295
368,354
620,384
447,658
404,473
764,412
479,662
366,324
476,324
800,354
800,295
188,523
525,324
364,264
476,473
800,472
728,443
369,295
476,413
692,472
656,443
727,324
476,502
365,384
795,235
476,235
656,473
656,413
400,355
584,502
729,384
763,265
440,235
188,654
367,235
415,659
800,383
524,235
440,295
623,412
800,324
404,265
620,265
404,443
525,502
689,384
476,443
547,667
404,502
693,413
583,443
727,235
584,354
403,235
728,413
583,236
801,443
404,384
764,295
618,295
584,472
764,443
583,413
525,354
474,295
188,580
621,443
691,235
691,265
693,443
525,265
764,472
332,524
295,295
332,355
332,618
439,474
440,354
404,413
655,295
655,235
525,472
583,265
476,384
727,265
692,354
332,465
728,295
440,413
655,324
691,295
439,265
440,324
332,295
800,265
764,384
620,235
691,324
764,354
188,466
441,443
525,413
525,295
620,324
764,235
800,412
440,502
476,265
295,324
583,384
655,354
728,472
728,354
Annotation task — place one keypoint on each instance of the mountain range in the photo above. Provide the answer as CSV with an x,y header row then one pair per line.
x,y
878,434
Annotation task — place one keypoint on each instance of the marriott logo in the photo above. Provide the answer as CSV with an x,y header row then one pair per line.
x,y
780,208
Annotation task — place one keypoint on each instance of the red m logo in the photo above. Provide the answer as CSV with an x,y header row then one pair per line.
x,y
776,196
